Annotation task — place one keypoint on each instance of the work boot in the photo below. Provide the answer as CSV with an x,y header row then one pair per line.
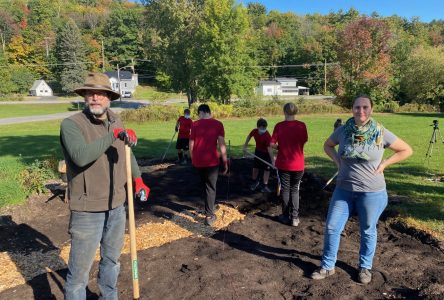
x,y
295,222
321,273
209,220
265,189
284,219
254,186
365,276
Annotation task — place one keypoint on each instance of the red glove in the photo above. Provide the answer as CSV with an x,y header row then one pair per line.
x,y
126,135
141,190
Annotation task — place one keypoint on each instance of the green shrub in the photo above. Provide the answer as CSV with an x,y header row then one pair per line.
x,y
34,176
417,107
152,113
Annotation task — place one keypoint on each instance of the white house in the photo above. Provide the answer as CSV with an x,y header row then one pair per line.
x,y
282,86
40,88
128,81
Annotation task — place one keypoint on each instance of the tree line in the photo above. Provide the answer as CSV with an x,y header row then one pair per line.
x,y
218,49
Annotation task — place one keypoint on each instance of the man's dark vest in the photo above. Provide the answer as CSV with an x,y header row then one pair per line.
x,y
100,185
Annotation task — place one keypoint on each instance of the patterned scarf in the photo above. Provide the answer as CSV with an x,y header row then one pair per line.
x,y
369,135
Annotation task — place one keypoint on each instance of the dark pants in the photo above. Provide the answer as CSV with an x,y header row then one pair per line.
x,y
208,176
290,181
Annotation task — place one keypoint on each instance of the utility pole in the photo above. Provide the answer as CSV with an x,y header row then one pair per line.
x,y
325,77
103,58
118,80
47,47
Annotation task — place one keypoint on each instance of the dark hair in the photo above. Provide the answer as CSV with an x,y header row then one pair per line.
x,y
261,123
290,109
204,108
186,111
363,96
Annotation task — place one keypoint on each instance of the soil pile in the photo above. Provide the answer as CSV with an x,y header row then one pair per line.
x,y
254,257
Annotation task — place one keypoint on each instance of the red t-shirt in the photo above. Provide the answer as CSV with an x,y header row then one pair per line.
x,y
262,140
205,133
184,127
290,137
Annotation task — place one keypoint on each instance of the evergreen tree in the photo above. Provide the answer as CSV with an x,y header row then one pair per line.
x,y
70,53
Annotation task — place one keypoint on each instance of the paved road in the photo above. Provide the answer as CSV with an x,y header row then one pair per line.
x,y
122,105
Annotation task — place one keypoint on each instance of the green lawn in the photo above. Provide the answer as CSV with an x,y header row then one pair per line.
x,y
409,178
23,110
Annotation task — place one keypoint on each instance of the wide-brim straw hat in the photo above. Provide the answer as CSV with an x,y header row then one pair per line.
x,y
99,82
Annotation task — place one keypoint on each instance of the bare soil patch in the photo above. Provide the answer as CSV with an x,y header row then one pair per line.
x,y
254,257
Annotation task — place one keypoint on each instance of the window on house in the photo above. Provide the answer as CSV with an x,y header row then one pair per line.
x,y
125,84
269,90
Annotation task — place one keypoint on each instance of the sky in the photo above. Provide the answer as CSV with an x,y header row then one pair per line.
x,y
426,10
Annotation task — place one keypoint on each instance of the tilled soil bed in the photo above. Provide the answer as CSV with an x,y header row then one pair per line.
x,y
254,257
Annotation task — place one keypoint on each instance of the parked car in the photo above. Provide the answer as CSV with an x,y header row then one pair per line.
x,y
126,94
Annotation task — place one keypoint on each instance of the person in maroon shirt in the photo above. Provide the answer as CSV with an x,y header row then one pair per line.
x,y
262,138
206,134
288,138
183,126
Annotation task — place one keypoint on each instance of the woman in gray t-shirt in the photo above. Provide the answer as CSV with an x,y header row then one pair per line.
x,y
360,184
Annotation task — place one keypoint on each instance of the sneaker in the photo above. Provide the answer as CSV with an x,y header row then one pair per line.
x,y
265,189
183,162
365,276
210,220
321,273
295,222
284,219
254,185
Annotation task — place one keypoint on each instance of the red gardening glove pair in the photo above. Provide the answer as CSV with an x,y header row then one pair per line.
x,y
141,190
126,135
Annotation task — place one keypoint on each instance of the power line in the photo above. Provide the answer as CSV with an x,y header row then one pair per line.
x,y
62,64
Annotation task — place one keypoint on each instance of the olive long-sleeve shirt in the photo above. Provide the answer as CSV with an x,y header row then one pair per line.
x,y
83,153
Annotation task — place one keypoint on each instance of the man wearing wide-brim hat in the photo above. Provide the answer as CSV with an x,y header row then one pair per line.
x,y
93,143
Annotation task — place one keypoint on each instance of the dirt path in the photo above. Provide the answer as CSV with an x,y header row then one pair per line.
x,y
256,258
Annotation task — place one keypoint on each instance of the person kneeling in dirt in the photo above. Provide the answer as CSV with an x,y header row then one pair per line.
x,y
288,138
360,184
262,139
93,144
183,126
206,134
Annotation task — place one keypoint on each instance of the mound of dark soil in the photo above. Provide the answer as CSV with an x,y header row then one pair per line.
x,y
257,258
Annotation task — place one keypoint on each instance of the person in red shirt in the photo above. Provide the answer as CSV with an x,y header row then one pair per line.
x,y
206,134
288,138
262,138
183,126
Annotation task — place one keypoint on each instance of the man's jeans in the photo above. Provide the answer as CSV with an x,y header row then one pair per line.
x,y
88,229
369,207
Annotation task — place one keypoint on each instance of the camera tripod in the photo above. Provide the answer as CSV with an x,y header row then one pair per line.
x,y
433,140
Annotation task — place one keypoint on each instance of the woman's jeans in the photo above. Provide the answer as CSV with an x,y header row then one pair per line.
x,y
88,230
290,182
369,207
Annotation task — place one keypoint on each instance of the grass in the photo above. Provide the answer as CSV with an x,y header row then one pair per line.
x,y
151,93
425,206
23,110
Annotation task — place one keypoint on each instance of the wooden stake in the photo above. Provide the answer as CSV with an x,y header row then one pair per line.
x,y
132,224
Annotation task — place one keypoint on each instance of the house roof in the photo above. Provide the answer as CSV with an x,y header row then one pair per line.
x,y
36,84
269,82
286,79
124,75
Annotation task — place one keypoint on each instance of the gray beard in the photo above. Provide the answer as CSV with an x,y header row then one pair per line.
x,y
98,111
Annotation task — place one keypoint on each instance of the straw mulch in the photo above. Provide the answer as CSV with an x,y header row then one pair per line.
x,y
17,268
